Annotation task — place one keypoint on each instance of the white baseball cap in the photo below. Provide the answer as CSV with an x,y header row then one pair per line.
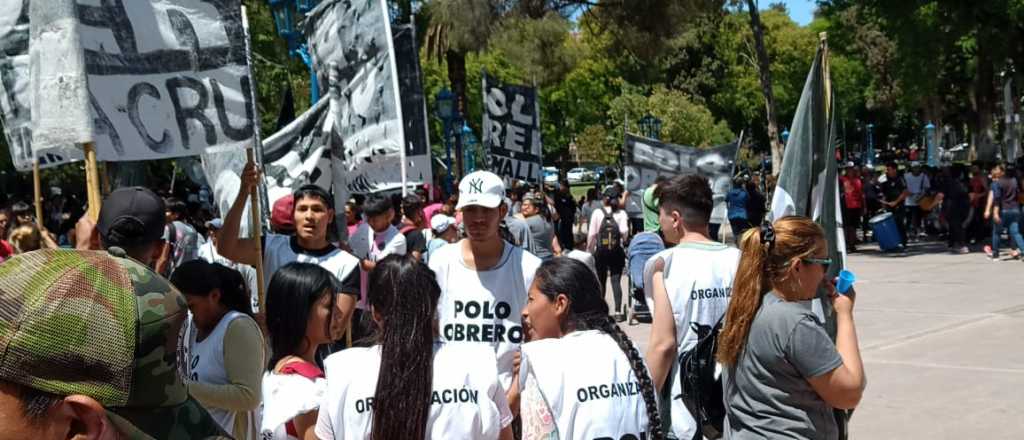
x,y
440,223
481,188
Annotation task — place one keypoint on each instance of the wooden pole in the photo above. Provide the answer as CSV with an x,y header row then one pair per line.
x,y
92,182
254,198
38,188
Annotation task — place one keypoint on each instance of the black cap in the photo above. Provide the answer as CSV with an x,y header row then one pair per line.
x,y
131,215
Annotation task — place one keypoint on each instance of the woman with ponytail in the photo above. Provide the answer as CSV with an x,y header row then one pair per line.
x,y
408,385
590,376
782,374
223,345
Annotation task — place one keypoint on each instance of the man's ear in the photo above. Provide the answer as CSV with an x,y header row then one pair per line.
x,y
88,419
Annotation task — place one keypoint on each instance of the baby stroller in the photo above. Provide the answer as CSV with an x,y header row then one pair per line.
x,y
642,247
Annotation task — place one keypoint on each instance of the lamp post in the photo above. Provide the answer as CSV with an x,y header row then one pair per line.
x,y
287,14
929,140
468,148
784,136
446,111
870,160
651,127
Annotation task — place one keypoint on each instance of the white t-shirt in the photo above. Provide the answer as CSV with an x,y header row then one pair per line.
x,y
588,384
596,220
583,257
280,250
484,306
698,278
368,245
206,364
209,253
468,401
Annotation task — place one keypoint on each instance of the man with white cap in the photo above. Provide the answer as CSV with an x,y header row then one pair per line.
x,y
483,278
444,230
918,185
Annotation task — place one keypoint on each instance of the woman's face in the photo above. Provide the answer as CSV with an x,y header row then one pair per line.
x,y
529,209
206,310
810,272
350,215
319,327
542,317
4,220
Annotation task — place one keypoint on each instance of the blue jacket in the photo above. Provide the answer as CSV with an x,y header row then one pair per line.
x,y
736,200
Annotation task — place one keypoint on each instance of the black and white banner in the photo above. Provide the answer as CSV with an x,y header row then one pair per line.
x,y
165,78
353,54
646,159
15,90
511,130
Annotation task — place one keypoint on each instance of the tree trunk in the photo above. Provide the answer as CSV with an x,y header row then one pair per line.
x,y
457,78
765,74
984,105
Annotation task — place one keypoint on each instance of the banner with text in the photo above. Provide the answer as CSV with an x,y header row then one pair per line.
x,y
165,78
646,159
15,99
511,130
354,56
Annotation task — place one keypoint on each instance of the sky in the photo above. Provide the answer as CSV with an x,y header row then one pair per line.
x,y
802,11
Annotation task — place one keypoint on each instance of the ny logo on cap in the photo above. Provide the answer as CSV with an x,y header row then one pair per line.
x,y
476,186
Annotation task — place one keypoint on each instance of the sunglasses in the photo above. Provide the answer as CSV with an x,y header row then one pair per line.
x,y
824,262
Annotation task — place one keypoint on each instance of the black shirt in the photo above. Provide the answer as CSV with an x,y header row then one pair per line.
x,y
565,206
415,241
892,188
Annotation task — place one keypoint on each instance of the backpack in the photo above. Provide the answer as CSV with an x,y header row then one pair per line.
x,y
701,390
609,238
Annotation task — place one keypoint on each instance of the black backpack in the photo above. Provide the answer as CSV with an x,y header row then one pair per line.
x,y
609,238
701,391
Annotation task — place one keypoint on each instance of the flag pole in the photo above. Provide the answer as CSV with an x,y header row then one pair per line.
x,y
254,198
92,183
37,186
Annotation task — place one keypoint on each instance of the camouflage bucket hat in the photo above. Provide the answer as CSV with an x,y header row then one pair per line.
x,y
87,322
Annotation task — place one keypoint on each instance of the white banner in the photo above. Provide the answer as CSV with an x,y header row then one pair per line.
x,y
166,78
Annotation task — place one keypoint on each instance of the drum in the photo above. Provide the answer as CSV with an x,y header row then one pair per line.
x,y
886,232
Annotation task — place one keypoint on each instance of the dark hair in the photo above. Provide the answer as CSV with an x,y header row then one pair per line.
x,y
376,205
294,290
690,195
199,278
35,403
412,204
404,293
21,208
176,206
892,165
314,191
589,311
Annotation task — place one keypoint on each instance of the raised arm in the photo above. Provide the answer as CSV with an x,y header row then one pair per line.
x,y
241,250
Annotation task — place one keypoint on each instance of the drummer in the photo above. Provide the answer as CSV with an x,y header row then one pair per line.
x,y
894,193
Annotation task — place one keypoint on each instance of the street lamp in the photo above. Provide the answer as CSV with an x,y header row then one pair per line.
x,y
870,160
784,136
929,134
446,111
287,14
651,127
469,149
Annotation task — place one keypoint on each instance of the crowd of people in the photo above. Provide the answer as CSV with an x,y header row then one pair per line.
x,y
479,316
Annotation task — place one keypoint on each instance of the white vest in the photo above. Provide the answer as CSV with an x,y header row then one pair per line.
x,y
468,402
206,364
698,278
589,386
484,306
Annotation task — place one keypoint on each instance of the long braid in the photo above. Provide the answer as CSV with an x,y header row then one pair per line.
x,y
606,324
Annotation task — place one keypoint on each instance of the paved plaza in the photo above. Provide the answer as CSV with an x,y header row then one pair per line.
x,y
942,337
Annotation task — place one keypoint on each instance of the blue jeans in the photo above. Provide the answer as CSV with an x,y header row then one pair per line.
x,y
1010,219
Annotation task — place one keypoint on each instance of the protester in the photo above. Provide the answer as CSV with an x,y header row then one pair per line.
x,y
565,208
374,239
224,346
409,385
956,206
542,229
103,385
483,278
23,214
606,241
853,205
736,201
580,253
181,241
1005,211
301,317
872,199
575,346
445,232
282,216
917,184
687,288
414,226
313,214
515,230
208,252
131,219
894,192
756,203
782,374
28,238
979,196
594,202
650,205
353,216
6,250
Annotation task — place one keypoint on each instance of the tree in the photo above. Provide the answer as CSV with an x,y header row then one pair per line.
x,y
765,75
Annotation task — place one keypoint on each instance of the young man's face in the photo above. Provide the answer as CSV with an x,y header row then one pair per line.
x,y
890,171
381,222
311,216
669,219
482,223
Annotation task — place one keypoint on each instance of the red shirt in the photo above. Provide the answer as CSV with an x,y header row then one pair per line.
x,y
853,192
